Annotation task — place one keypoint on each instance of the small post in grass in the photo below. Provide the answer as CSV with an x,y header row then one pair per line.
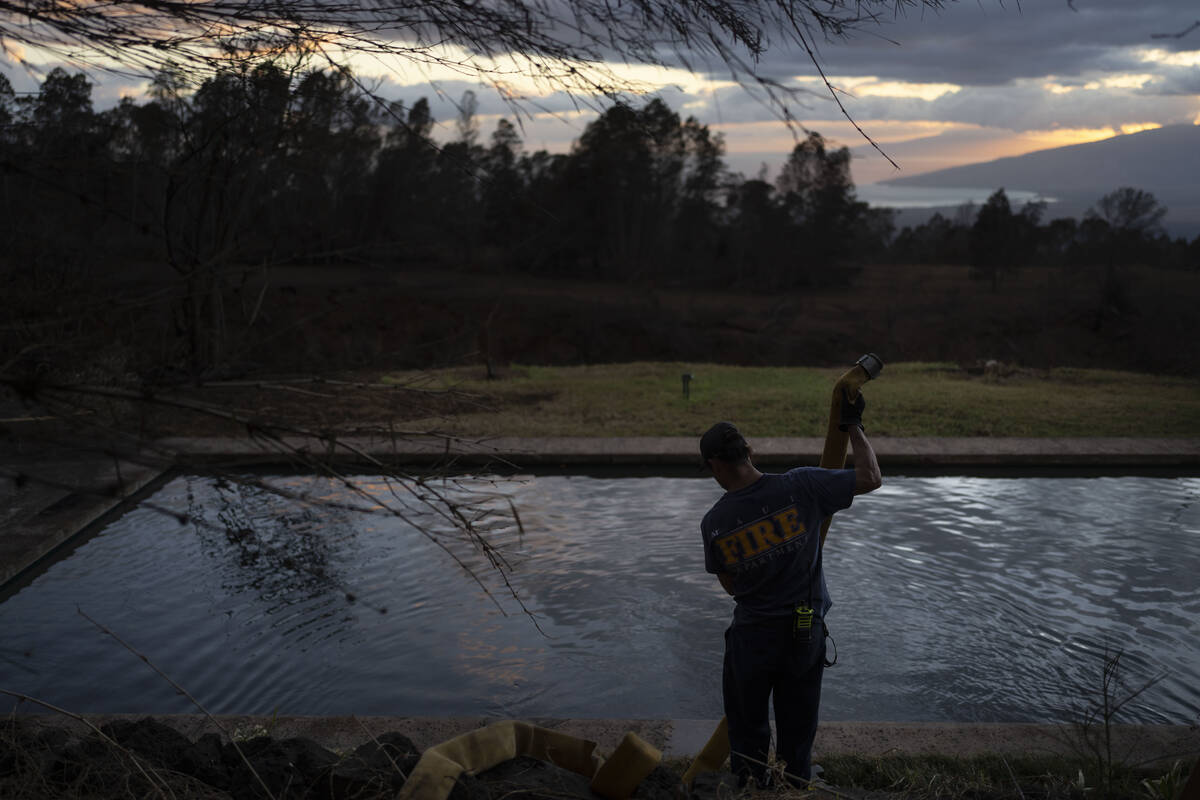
x,y
687,385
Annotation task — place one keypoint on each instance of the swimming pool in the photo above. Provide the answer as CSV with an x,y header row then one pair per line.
x,y
955,599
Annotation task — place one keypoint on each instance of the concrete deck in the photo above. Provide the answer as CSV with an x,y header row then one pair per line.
x,y
649,451
48,495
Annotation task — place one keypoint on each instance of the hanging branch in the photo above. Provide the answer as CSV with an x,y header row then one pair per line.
x,y
1195,25
566,46
272,436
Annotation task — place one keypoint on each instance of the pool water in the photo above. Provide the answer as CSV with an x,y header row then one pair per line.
x,y
955,599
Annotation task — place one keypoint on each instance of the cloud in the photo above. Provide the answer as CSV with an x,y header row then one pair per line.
x,y
12,52
986,44
976,80
1028,105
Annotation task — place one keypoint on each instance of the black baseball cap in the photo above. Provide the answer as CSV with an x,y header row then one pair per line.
x,y
723,441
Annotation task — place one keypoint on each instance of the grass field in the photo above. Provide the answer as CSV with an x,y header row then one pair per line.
x,y
909,399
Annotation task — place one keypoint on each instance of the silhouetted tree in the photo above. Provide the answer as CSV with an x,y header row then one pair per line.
x,y
1056,240
1192,255
505,201
697,225
322,192
545,242
817,193
761,238
994,239
405,170
938,240
8,105
1132,218
55,146
626,175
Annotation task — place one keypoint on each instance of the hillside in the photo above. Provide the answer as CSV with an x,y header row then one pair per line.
x,y
1163,161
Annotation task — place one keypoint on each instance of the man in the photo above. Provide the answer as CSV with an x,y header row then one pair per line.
x,y
762,540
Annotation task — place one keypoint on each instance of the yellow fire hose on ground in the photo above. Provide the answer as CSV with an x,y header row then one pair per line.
x,y
614,778
716,750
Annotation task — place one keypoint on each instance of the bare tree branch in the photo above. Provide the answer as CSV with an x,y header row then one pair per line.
x,y
562,45
1179,35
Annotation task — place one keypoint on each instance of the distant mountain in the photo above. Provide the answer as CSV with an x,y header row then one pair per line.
x,y
1164,161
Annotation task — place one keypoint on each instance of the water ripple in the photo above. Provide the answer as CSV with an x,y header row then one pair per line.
x,y
955,598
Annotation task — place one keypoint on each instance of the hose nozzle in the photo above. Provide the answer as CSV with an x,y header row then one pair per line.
x,y
871,364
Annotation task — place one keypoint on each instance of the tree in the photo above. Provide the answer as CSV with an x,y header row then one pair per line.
x,y
504,192
698,218
8,105
626,173
55,147
1056,240
1133,218
1130,219
994,241
818,195
759,237
938,240
404,169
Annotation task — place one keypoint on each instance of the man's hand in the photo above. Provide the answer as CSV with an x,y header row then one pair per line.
x,y
852,411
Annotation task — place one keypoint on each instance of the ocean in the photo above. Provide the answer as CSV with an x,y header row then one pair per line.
x,y
888,196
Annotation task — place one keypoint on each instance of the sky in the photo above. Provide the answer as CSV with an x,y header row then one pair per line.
x,y
977,80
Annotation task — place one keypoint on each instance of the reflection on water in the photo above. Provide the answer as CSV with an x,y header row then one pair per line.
x,y
954,599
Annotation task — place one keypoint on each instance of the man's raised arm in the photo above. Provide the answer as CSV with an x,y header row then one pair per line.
x,y
867,477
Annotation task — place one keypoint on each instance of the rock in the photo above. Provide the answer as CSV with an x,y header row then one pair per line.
x,y
389,751
527,778
377,768
8,758
714,785
91,767
52,739
291,768
204,761
523,778
660,784
72,765
469,787
159,744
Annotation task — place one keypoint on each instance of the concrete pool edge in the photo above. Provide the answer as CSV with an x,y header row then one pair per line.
x,y
649,451
683,738
55,515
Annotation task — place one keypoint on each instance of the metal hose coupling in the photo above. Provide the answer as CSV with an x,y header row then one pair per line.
x,y
871,364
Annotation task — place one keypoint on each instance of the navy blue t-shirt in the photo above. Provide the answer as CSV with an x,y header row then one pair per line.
x,y
767,537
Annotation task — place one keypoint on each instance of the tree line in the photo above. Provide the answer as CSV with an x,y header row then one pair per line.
x,y
1124,227
265,165
260,165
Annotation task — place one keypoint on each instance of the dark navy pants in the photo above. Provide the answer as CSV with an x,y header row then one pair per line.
x,y
763,658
